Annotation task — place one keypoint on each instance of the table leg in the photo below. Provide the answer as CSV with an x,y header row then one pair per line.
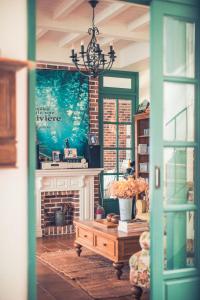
x,y
118,267
78,248
137,292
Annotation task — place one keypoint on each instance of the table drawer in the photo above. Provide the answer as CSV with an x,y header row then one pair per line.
x,y
85,235
105,245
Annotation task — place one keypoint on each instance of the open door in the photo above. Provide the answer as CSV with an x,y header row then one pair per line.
x,y
175,142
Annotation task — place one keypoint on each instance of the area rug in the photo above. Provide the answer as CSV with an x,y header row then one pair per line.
x,y
93,273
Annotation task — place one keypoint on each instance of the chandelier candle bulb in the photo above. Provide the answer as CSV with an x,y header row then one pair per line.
x,y
82,47
73,52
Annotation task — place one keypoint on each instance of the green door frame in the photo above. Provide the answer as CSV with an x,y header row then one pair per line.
x,y
131,94
173,284
31,22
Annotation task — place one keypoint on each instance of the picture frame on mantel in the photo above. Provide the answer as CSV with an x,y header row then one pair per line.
x,y
92,139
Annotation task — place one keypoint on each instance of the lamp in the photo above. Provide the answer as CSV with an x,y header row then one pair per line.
x,y
93,60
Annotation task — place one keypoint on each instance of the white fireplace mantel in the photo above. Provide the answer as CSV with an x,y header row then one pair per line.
x,y
67,180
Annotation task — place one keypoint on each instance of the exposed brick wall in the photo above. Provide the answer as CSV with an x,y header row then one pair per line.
x,y
53,201
93,111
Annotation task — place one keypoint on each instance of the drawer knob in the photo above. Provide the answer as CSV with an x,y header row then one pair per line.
x,y
85,235
104,244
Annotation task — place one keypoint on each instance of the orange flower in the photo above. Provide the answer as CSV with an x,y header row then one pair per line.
x,y
128,188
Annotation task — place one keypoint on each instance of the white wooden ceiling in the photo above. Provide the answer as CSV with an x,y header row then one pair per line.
x,y
63,23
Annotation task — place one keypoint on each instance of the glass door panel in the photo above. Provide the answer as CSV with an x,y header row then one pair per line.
x,y
110,136
179,249
179,38
175,142
125,111
110,161
124,136
178,111
123,157
178,175
109,110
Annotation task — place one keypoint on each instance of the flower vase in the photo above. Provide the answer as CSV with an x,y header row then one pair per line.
x,y
125,209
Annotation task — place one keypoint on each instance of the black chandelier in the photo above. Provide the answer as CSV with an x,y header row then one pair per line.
x,y
94,61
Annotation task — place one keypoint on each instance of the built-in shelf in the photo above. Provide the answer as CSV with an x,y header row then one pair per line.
x,y
143,136
141,142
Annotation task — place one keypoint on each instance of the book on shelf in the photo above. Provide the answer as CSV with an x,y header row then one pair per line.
x,y
133,226
143,149
144,167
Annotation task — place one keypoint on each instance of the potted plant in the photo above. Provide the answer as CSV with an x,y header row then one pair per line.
x,y
125,190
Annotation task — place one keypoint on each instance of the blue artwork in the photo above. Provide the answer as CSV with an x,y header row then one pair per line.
x,y
62,110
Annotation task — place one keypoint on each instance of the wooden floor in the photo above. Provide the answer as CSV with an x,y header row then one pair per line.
x,y
52,285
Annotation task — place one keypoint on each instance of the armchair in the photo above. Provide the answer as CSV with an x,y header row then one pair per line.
x,y
140,267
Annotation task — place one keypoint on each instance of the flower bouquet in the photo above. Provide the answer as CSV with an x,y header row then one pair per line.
x,y
125,190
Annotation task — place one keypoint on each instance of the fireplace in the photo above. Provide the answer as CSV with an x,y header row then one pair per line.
x,y
66,202
55,188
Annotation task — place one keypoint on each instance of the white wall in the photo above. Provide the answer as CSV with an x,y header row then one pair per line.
x,y
13,182
144,85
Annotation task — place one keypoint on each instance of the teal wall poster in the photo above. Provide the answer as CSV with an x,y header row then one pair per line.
x,y
62,110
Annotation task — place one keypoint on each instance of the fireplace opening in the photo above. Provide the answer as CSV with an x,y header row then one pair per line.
x,y
59,210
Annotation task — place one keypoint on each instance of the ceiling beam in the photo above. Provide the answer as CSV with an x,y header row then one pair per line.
x,y
72,26
70,39
110,12
105,15
40,32
139,22
66,7
107,40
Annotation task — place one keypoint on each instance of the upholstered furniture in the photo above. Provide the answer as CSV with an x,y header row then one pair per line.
x,y
140,267
142,210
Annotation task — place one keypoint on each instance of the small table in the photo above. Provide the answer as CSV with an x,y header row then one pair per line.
x,y
115,245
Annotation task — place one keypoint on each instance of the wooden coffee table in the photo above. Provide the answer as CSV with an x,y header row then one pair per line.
x,y
115,245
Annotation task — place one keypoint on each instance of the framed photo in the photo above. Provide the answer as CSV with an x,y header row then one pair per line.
x,y
70,152
142,107
56,155
92,139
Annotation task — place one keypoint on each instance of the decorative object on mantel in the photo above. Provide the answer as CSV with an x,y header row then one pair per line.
x,y
8,149
124,190
143,106
93,59
74,164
